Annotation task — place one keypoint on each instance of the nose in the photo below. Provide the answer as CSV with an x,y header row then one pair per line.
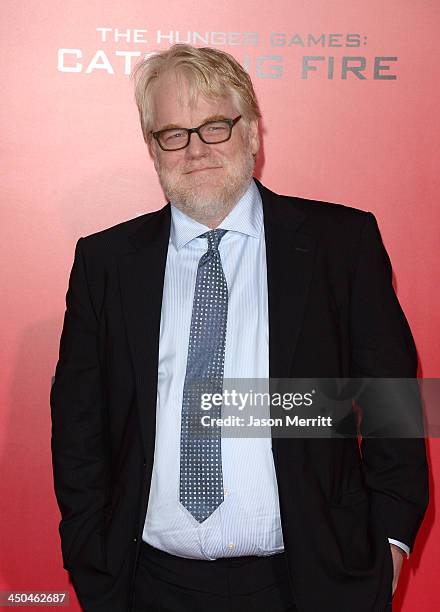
x,y
196,148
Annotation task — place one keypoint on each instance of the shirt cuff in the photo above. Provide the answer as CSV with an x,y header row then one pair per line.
x,y
400,545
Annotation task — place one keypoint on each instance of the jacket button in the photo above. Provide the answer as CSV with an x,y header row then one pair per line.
x,y
144,463
135,540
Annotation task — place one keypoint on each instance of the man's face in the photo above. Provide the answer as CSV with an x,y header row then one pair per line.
x,y
205,181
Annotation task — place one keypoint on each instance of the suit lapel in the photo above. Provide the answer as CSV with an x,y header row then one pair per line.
x,y
141,274
289,256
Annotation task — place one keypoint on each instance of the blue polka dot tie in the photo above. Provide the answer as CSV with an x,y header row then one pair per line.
x,y
201,477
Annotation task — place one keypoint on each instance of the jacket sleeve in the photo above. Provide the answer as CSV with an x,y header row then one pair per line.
x,y
79,456
393,444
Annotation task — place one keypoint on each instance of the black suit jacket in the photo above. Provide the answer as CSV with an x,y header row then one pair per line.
x,y
332,313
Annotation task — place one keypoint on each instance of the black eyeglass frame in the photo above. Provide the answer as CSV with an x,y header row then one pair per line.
x,y
189,131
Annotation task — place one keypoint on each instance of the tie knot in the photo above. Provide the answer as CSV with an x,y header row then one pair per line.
x,y
214,236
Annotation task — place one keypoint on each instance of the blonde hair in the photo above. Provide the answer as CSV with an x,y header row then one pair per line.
x,y
209,72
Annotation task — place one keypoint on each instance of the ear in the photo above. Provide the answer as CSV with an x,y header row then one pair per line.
x,y
254,138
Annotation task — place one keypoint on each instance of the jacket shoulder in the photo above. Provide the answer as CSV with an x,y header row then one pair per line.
x,y
337,228
327,212
115,238
316,213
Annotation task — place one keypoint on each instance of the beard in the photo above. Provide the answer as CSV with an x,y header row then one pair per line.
x,y
203,196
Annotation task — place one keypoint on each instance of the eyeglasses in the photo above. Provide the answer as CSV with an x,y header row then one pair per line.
x,y
211,132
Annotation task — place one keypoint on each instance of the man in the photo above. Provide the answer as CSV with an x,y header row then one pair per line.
x,y
228,280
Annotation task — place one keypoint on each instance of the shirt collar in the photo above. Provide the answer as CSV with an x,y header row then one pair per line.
x,y
246,217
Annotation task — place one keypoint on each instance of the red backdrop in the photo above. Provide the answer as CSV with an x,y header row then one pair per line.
x,y
349,93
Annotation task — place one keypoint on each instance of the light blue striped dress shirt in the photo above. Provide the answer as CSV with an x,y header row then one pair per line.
x,y
248,520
